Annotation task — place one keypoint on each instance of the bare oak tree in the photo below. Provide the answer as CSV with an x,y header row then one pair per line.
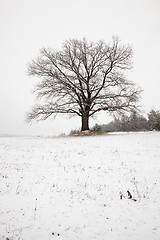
x,y
83,79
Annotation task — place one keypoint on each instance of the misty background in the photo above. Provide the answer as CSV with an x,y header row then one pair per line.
x,y
27,26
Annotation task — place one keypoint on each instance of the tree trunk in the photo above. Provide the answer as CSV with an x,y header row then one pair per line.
x,y
85,122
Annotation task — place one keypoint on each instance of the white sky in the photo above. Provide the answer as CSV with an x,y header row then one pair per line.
x,y
28,25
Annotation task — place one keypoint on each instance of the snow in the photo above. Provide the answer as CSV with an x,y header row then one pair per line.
x,y
69,188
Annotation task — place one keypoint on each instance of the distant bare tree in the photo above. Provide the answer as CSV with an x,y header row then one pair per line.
x,y
83,79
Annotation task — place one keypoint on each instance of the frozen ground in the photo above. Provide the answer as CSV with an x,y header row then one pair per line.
x,y
70,188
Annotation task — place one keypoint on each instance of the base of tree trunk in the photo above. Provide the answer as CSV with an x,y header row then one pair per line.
x,y
85,123
85,129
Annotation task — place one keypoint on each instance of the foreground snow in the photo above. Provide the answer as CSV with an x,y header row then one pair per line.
x,y
70,188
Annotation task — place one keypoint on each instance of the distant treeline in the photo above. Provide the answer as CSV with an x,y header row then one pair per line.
x,y
133,122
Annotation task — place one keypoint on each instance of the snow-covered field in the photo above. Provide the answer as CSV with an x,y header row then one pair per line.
x,y
71,188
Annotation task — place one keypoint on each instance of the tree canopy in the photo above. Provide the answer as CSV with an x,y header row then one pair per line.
x,y
83,79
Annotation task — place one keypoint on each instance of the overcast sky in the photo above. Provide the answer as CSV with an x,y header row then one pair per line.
x,y
28,25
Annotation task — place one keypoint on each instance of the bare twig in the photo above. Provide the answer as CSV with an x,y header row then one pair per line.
x,y
135,184
35,209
